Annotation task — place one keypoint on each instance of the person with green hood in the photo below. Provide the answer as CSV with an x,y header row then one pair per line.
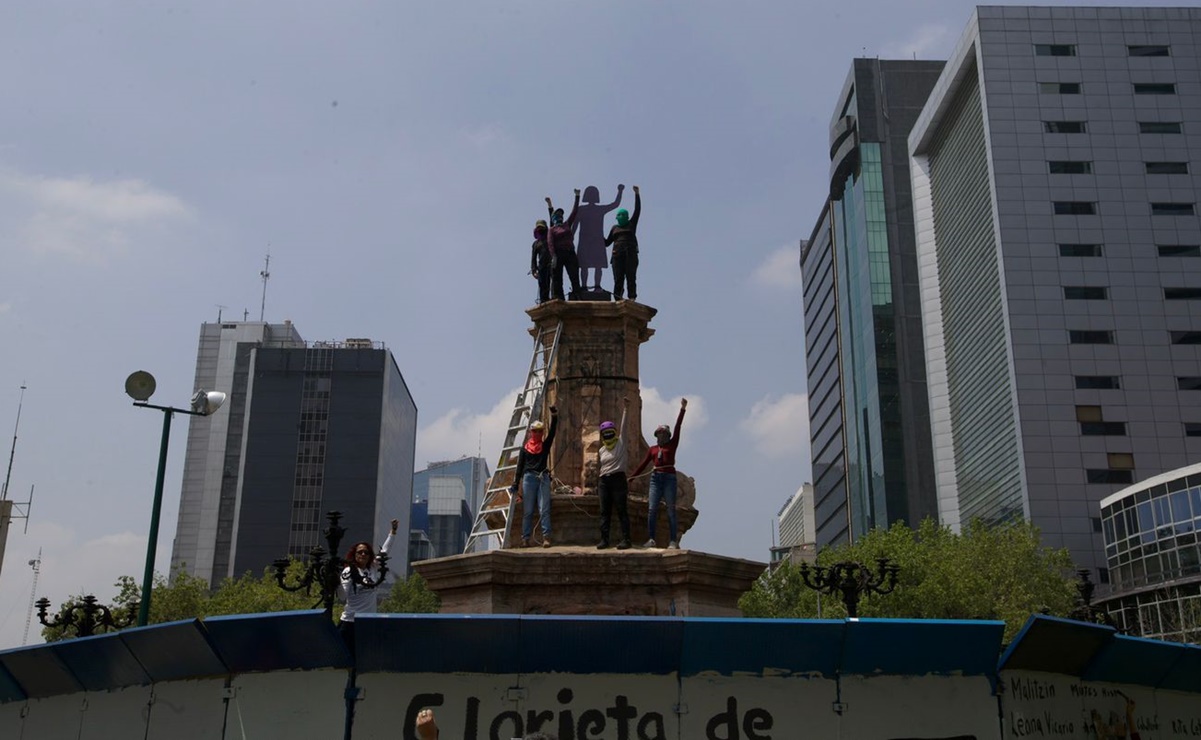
x,y
624,238
613,487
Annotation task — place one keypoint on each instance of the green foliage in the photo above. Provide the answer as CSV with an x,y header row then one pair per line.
x,y
999,572
410,596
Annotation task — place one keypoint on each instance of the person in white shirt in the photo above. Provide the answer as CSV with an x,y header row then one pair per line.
x,y
359,580
613,487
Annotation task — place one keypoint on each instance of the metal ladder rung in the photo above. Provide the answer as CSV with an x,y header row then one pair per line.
x,y
498,504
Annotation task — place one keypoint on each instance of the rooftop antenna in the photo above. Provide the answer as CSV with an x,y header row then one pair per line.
x,y
36,564
265,273
13,452
220,308
245,314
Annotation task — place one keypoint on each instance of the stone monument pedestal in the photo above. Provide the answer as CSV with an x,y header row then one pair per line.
x,y
595,367
584,580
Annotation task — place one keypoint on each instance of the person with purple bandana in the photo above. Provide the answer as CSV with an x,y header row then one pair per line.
x,y
613,487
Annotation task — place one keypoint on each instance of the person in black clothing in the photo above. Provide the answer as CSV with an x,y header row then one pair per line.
x,y
624,238
534,477
540,261
562,245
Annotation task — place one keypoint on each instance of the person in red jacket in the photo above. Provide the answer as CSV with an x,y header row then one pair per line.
x,y
663,479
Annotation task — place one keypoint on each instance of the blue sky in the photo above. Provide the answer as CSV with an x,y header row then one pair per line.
x,y
392,158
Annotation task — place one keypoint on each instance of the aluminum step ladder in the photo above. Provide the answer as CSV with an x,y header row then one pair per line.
x,y
496,511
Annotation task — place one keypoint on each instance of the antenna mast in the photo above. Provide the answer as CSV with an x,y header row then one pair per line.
x,y
13,452
265,273
33,592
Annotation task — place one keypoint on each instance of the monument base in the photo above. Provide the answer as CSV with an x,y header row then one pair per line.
x,y
579,580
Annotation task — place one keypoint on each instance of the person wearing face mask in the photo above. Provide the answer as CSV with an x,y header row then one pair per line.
x,y
562,246
663,479
541,261
613,486
534,477
624,238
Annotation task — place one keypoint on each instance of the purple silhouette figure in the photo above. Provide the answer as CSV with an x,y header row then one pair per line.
x,y
591,241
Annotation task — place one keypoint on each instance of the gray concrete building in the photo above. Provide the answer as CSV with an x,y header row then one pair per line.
x,y
1059,253
310,428
869,424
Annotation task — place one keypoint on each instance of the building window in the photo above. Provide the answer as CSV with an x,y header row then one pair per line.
x,y
1182,294
1100,382
1120,460
1055,50
1192,429
1059,88
1154,88
1079,250
1085,293
1103,428
1159,127
1077,208
1179,250
1186,337
1092,336
1103,575
1167,168
1064,127
1070,168
1189,383
1096,475
1172,209
1148,50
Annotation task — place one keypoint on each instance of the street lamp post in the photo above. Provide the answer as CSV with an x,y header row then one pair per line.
x,y
84,616
140,386
324,568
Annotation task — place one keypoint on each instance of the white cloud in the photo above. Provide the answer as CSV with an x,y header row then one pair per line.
x,y
779,426
459,433
81,217
658,410
70,565
930,41
780,269
484,135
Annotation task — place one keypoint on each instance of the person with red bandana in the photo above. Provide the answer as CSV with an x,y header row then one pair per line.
x,y
534,477
663,479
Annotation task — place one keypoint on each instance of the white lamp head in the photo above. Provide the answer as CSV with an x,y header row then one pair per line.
x,y
206,402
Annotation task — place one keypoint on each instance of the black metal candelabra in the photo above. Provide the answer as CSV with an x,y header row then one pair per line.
x,y
850,580
1085,611
324,568
86,616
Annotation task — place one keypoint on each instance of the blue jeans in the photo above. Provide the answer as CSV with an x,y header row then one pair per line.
x,y
663,488
535,493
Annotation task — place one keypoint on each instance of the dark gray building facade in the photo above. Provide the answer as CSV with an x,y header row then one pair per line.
x,y
869,416
1059,251
312,428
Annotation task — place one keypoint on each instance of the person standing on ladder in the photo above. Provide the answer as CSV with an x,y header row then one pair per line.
x,y
533,475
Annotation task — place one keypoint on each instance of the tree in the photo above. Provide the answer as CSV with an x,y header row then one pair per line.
x,y
986,572
410,596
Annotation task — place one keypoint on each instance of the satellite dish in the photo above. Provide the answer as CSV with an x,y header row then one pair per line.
x,y
140,385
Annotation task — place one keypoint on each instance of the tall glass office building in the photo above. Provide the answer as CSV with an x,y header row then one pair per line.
x,y
1058,249
869,424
